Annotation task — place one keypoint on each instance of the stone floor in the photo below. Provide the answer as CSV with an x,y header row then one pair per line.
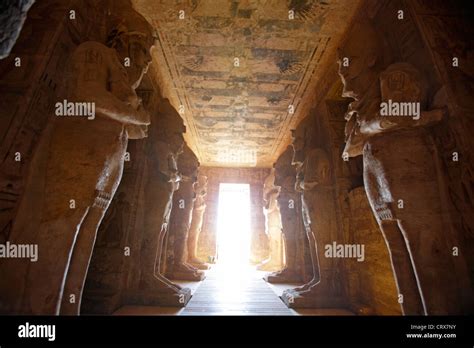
x,y
240,291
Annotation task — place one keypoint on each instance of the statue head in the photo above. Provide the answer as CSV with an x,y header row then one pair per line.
x,y
360,60
169,127
303,138
270,191
201,185
188,163
284,170
132,37
316,170
269,182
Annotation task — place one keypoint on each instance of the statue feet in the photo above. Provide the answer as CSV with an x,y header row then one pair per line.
x,y
190,267
185,272
317,296
154,291
284,276
307,285
199,264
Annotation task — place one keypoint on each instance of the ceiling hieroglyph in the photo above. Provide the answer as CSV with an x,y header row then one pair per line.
x,y
240,72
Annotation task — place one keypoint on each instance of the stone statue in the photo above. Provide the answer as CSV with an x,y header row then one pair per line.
x,y
314,180
180,219
164,145
288,202
200,189
401,173
82,160
272,225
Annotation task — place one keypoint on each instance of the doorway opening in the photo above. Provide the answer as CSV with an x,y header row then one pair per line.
x,y
233,226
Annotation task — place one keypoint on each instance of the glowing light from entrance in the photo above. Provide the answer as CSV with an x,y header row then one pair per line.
x,y
233,225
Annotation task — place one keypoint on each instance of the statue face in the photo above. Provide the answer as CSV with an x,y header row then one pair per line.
x,y
188,163
201,185
284,171
298,145
170,127
279,177
359,60
351,76
285,177
140,57
202,180
195,169
177,142
270,180
317,169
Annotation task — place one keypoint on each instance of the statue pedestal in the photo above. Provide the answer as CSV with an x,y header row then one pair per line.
x,y
160,297
200,265
283,276
196,276
316,297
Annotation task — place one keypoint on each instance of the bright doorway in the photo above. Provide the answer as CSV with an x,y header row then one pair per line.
x,y
233,226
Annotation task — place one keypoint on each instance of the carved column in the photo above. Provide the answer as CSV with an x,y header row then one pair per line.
x,y
89,152
272,225
162,179
285,178
402,174
319,216
200,190
180,220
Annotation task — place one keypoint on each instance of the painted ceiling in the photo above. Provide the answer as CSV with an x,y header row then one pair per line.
x,y
242,73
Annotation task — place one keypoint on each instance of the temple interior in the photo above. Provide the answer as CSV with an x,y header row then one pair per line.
x,y
236,157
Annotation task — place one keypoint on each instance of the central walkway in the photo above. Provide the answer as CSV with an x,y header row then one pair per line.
x,y
235,291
